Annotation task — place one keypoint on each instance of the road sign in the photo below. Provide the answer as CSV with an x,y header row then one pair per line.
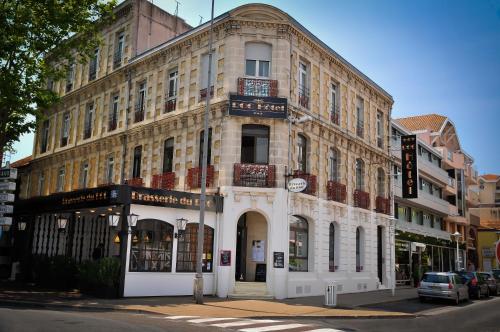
x,y
8,173
6,197
6,209
10,186
5,221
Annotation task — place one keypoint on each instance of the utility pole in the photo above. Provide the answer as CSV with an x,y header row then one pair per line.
x,y
198,282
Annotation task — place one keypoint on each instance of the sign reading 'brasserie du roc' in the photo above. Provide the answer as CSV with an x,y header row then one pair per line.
x,y
264,107
409,166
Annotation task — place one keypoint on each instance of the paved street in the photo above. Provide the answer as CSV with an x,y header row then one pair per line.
x,y
479,315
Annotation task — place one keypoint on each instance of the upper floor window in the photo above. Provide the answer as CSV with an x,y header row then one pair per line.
x,y
334,104
380,129
84,174
60,179
360,175
303,84
118,56
204,76
94,65
141,102
360,116
113,112
450,155
302,153
65,129
258,59
380,182
41,183
255,144
136,166
168,155
171,97
334,161
209,150
70,76
110,169
45,136
89,116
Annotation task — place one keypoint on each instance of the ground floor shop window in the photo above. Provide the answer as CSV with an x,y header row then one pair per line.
x,y
298,244
151,249
186,249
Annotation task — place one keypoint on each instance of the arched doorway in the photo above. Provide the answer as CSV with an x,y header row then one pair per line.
x,y
251,248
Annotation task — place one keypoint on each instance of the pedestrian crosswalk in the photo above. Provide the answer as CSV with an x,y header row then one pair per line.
x,y
248,325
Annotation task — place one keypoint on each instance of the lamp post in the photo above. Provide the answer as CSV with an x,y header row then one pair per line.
x,y
181,226
457,235
132,221
61,223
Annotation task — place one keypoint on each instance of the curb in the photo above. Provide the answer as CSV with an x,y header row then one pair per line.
x,y
33,304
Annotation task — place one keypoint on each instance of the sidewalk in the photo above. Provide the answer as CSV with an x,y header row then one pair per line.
x,y
349,304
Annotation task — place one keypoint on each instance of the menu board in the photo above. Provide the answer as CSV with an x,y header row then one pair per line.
x,y
279,259
225,258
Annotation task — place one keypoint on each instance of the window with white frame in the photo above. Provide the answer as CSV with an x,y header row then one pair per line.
x,y
94,65
89,116
381,182
110,167
173,76
301,153
84,174
380,129
120,42
334,104
44,141
360,116
258,59
113,112
41,183
334,163
303,84
61,174
360,174
204,75
141,102
70,76
65,129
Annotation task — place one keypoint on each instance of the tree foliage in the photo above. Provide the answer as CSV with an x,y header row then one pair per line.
x,y
38,40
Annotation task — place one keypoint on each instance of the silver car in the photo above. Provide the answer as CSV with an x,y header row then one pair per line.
x,y
492,281
443,285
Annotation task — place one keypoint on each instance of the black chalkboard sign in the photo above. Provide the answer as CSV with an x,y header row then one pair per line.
x,y
260,272
225,258
279,260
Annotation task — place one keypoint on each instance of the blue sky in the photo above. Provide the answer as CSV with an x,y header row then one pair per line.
x,y
431,56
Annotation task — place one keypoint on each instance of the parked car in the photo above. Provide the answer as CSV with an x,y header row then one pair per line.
x,y
444,285
476,283
496,273
492,281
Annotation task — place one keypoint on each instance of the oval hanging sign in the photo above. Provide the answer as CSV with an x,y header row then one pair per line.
x,y
297,185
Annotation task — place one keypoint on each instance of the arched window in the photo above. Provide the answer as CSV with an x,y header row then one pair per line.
x,y
334,161
333,251
151,249
380,182
360,174
302,153
359,249
186,249
298,244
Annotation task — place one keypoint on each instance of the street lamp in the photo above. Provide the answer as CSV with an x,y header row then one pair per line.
x,y
21,226
113,220
132,221
61,223
181,226
457,235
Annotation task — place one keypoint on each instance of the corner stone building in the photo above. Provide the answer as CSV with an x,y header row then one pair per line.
x,y
134,117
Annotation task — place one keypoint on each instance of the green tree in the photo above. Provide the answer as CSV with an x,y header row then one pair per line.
x,y
38,40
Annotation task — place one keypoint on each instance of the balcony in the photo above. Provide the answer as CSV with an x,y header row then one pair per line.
x,y
135,182
112,123
304,96
360,129
382,205
203,93
194,177
335,114
336,191
257,87
170,105
163,181
361,199
254,175
311,180
117,59
139,113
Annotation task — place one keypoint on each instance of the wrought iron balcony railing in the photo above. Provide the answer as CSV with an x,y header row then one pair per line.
x,y
304,96
336,191
361,199
203,93
254,175
170,104
112,124
382,205
117,59
194,177
335,114
257,87
311,180
163,181
135,182
139,112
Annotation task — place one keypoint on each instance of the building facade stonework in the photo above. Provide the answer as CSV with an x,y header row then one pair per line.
x,y
140,125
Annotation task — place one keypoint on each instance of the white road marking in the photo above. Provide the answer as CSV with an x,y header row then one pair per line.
x,y
208,320
325,330
180,317
272,328
245,322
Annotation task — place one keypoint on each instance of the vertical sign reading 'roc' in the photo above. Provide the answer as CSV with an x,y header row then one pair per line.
x,y
409,166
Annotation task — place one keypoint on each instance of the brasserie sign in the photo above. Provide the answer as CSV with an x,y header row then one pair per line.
x,y
263,107
409,166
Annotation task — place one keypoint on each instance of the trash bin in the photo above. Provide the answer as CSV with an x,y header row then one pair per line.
x,y
330,295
